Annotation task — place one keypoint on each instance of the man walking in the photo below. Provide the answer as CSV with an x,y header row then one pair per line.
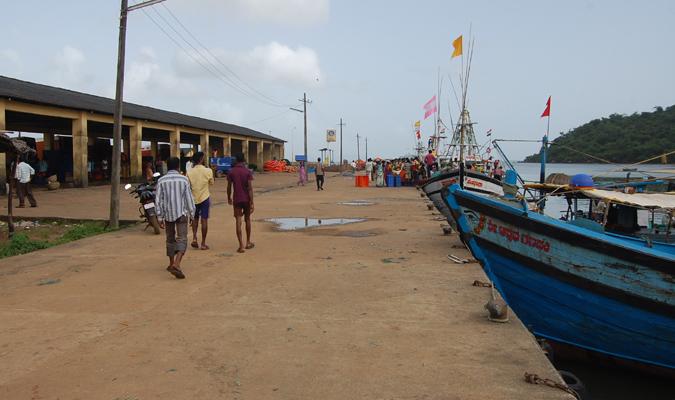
x,y
175,208
24,173
240,179
200,179
319,174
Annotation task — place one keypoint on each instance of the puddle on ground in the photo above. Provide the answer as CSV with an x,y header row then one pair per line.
x,y
294,224
357,203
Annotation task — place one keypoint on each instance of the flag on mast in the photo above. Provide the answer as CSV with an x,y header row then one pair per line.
x,y
547,111
417,129
457,45
430,107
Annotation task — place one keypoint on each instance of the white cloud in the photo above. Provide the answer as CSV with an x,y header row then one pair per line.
x,y
290,12
220,111
70,70
145,80
273,62
148,83
10,63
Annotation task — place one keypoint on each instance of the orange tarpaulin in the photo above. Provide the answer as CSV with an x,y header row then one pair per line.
x,y
274,166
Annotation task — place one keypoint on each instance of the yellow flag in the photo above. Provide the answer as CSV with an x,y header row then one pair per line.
x,y
457,44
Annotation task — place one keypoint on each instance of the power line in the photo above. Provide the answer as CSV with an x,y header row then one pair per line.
x,y
219,60
213,70
215,67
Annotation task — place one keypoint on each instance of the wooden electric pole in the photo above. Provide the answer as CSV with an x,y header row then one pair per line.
x,y
117,122
341,159
304,111
358,147
114,222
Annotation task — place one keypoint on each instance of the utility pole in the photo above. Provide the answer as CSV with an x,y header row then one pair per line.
x,y
341,159
358,147
114,222
304,112
366,148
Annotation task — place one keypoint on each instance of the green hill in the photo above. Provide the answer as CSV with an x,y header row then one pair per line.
x,y
617,138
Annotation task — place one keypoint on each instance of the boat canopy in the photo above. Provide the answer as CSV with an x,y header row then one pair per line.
x,y
643,200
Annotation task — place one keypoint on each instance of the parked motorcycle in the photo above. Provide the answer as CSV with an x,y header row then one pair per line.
x,y
145,193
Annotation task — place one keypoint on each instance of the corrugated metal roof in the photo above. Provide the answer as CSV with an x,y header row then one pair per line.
x,y
52,96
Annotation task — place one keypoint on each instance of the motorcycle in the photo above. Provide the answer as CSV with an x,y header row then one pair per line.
x,y
145,193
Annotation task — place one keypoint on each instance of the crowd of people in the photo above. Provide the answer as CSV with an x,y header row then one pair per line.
x,y
414,170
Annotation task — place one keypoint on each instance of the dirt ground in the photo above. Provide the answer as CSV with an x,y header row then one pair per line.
x,y
371,310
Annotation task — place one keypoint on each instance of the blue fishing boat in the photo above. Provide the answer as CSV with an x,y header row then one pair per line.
x,y
574,282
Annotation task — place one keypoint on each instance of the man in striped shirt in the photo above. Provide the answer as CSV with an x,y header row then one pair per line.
x,y
175,208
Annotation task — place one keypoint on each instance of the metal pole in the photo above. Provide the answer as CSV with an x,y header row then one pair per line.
x,y
117,127
304,104
366,148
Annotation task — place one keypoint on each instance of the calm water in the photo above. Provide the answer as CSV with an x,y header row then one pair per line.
x,y
602,383
297,223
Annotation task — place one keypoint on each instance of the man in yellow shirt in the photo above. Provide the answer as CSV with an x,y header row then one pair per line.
x,y
200,178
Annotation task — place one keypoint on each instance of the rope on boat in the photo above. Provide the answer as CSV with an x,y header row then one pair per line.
x,y
536,380
649,159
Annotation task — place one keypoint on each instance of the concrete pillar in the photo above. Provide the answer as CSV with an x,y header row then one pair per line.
x,y
3,156
136,150
282,151
227,146
261,157
244,149
48,139
154,149
174,142
204,143
80,158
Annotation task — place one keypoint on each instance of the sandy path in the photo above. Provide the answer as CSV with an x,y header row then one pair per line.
x,y
319,314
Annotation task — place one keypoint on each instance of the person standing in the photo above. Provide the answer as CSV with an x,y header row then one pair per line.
x,y
319,174
175,208
380,174
369,169
24,173
239,180
200,179
429,161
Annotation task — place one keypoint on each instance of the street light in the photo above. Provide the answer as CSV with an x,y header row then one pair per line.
x,y
117,115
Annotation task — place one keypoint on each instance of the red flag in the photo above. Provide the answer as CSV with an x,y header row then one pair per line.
x,y
419,135
430,107
547,111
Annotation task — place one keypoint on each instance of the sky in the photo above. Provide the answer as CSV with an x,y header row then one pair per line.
x,y
372,63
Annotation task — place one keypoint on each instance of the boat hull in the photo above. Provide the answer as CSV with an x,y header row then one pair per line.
x,y
473,181
571,285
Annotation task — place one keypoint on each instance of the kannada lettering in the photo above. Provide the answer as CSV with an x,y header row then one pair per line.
x,y
513,235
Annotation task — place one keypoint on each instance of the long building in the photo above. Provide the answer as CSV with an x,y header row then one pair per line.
x,y
76,124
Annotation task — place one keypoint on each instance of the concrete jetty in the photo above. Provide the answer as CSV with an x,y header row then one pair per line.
x,y
368,310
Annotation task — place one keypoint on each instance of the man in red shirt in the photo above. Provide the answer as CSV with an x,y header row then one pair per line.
x,y
240,178
429,161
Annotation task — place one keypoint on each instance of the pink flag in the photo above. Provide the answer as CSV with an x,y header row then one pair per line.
x,y
430,107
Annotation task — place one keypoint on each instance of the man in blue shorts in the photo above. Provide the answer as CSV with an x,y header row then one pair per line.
x,y
240,179
200,179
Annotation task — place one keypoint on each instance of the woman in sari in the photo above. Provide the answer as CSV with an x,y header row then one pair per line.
x,y
379,182
302,174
